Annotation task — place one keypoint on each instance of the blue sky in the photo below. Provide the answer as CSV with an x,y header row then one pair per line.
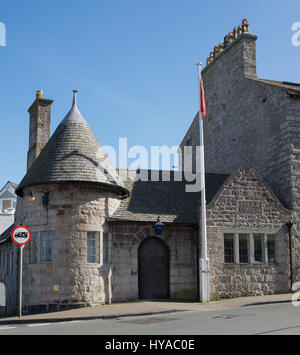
x,y
133,62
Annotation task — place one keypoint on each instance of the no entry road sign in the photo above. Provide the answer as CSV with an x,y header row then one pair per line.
x,y
21,235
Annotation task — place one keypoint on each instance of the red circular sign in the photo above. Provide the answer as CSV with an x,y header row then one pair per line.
x,y
21,235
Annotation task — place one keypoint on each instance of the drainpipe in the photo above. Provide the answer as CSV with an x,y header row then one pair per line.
x,y
289,227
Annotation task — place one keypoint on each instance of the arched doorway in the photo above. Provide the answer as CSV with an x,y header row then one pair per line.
x,y
154,269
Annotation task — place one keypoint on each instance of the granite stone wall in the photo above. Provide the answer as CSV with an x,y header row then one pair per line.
x,y
182,245
246,205
69,280
253,123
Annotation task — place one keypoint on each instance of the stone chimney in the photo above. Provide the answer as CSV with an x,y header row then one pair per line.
x,y
39,131
236,55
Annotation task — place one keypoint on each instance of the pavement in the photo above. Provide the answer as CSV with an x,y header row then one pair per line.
x,y
142,308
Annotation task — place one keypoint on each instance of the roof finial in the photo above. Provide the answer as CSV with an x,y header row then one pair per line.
x,y
75,97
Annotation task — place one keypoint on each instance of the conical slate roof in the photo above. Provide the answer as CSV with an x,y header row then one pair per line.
x,y
73,154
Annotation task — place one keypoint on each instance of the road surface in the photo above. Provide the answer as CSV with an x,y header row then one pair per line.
x,y
273,319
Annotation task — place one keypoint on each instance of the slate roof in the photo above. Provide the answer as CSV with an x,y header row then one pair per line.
x,y
7,234
167,199
285,84
6,186
73,154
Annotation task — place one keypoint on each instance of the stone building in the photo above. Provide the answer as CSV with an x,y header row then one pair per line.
x,y
93,237
251,122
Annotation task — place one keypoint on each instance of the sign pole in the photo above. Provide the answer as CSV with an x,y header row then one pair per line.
x,y
20,279
21,236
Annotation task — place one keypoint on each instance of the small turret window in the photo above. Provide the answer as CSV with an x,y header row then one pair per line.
x,y
46,248
93,247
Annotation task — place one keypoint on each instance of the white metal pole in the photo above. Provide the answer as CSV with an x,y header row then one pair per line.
x,y
20,279
204,262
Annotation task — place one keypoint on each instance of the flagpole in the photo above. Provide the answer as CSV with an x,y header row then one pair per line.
x,y
204,273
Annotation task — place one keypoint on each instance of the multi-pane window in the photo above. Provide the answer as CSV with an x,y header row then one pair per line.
x,y
250,248
46,248
243,248
258,240
93,247
271,244
105,248
33,249
229,248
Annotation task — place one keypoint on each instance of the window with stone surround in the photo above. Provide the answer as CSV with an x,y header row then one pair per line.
x,y
93,247
229,248
46,247
33,249
259,255
249,248
271,246
244,248
105,248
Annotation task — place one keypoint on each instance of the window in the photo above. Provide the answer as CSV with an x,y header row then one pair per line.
x,y
271,244
258,240
10,258
243,248
46,255
229,248
93,247
6,204
33,249
105,248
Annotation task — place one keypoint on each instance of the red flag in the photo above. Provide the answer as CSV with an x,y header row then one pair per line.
x,y
202,100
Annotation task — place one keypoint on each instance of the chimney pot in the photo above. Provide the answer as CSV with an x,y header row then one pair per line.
x,y
216,51
245,25
240,30
39,94
231,37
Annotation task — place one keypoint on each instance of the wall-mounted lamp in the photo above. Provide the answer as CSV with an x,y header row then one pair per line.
x,y
158,227
31,197
45,197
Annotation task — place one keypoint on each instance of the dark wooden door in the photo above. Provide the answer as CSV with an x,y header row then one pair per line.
x,y
154,270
